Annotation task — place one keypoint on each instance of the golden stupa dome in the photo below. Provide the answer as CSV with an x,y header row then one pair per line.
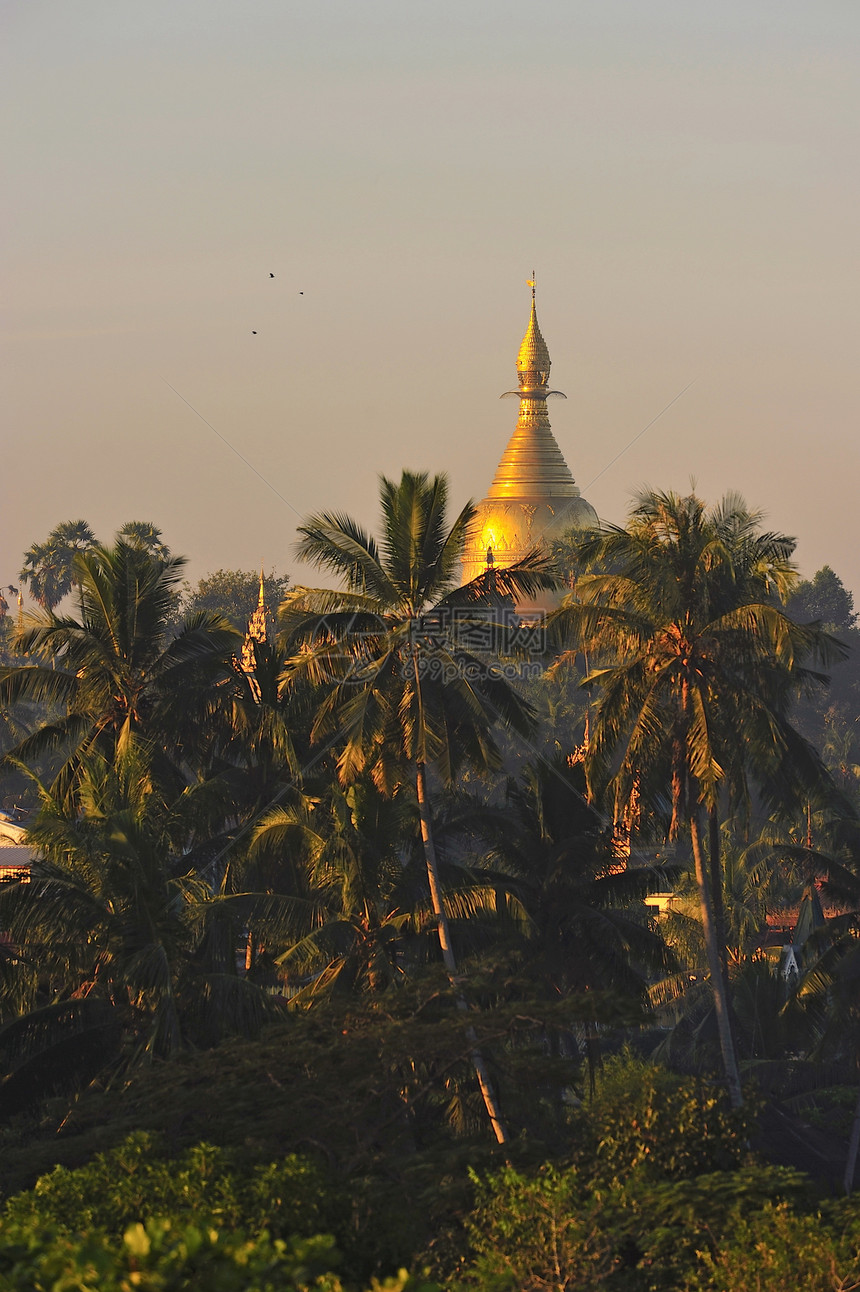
x,y
533,497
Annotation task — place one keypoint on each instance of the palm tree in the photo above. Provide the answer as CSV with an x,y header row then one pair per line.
x,y
49,566
696,664
356,905
405,691
588,927
144,535
360,915
116,936
116,675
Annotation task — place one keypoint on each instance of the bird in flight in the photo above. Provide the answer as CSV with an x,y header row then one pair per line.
x,y
271,275
253,333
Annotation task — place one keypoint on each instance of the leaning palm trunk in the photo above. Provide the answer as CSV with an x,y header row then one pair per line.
x,y
853,1148
491,1102
715,965
716,871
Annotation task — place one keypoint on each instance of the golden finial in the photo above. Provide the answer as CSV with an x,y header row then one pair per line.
x,y
262,600
533,363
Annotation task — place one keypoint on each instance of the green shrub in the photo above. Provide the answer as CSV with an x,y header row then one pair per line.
x,y
134,1221
775,1249
645,1119
554,1230
663,1230
135,1181
536,1232
162,1257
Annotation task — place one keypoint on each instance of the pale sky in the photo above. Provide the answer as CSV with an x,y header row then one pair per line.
x,y
682,175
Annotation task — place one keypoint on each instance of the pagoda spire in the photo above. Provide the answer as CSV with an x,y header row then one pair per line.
x,y
533,464
258,632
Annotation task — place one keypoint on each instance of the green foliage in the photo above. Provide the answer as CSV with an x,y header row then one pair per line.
x,y
536,1232
553,1229
134,1219
137,1182
645,1119
663,1229
234,594
657,1169
825,598
647,1199
775,1248
49,567
162,1257
212,836
145,536
111,672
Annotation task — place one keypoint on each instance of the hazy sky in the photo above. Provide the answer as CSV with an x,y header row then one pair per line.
x,y
682,174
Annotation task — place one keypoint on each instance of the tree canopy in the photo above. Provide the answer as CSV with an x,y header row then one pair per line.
x,y
825,598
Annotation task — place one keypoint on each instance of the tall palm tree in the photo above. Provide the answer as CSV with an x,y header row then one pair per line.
x,y
405,691
695,664
49,566
116,675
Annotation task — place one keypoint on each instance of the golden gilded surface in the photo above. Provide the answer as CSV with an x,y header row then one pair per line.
x,y
533,496
533,363
257,631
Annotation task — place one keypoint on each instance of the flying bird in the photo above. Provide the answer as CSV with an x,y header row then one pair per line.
x,y
301,293
271,275
253,333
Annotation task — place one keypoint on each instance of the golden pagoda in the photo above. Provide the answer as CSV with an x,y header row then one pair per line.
x,y
533,497
257,631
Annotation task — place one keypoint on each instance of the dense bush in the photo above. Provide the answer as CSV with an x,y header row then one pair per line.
x,y
735,1231
136,1182
132,1218
660,1194
775,1248
536,1232
655,1192
161,1257
646,1119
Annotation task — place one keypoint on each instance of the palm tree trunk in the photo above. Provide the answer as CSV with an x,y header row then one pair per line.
x,y
491,1102
715,965
716,875
716,871
853,1146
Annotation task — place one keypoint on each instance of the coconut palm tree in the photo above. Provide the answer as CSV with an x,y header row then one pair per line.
x,y
115,674
356,905
695,666
405,690
362,923
587,926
